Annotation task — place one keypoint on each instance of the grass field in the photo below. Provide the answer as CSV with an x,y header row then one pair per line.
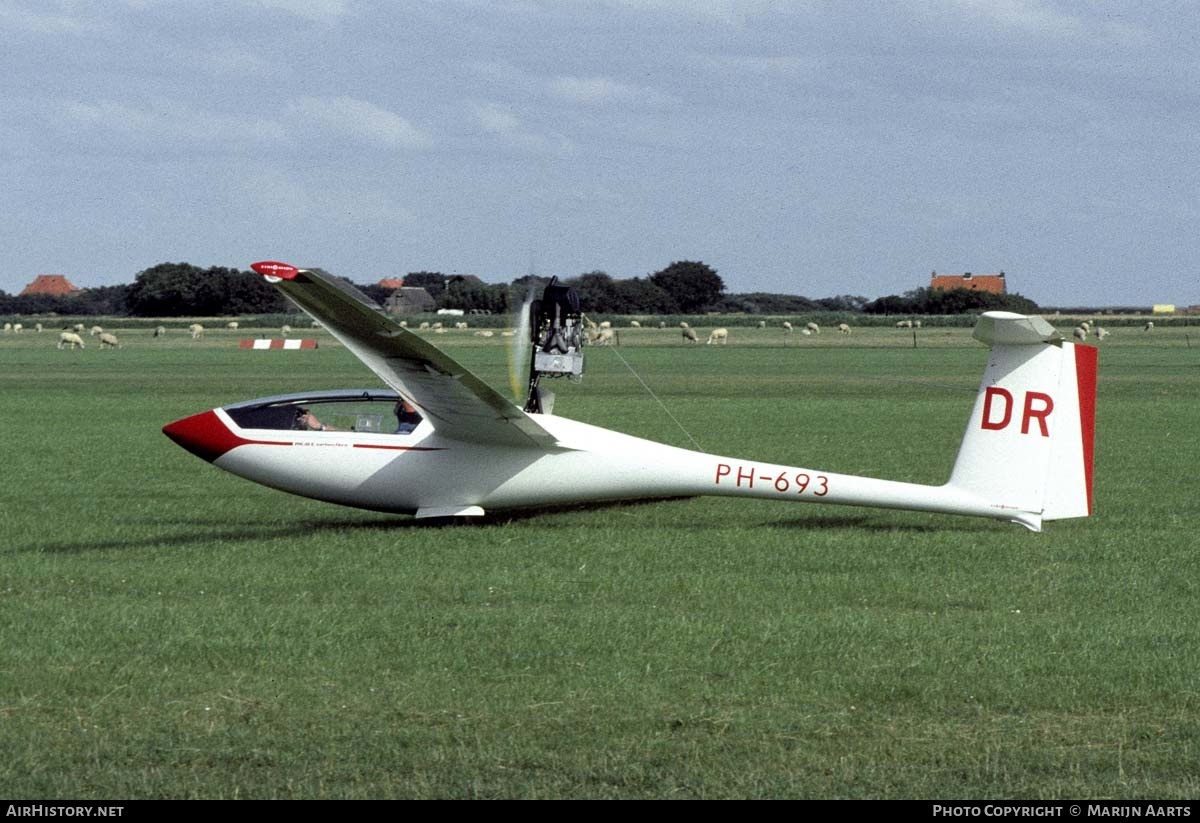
x,y
170,630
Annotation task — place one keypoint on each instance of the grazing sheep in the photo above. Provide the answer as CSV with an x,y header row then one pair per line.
x,y
70,339
806,332
436,326
689,335
96,331
316,324
285,330
1080,333
485,333
424,325
404,324
662,324
197,331
633,324
604,337
718,335
904,324
460,325
7,328
813,328
109,341
843,328
1149,325
762,324
507,333
37,327
160,331
1101,332
17,328
79,327
787,327
683,324
916,324
1085,325
606,324
232,325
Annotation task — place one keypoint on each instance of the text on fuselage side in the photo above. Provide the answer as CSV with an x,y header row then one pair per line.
x,y
797,483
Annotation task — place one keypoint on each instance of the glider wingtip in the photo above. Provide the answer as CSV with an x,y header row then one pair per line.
x,y
275,269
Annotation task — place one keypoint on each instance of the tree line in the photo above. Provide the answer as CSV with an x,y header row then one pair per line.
x,y
683,287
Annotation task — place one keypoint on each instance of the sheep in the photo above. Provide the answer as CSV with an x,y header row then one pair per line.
x,y
719,335
662,324
843,328
1085,325
7,328
404,324
916,324
37,327
160,331
461,325
70,339
604,337
633,324
606,324
762,324
424,325
812,327
683,324
1080,333
79,327
1101,332
436,326
806,332
787,327
232,325
285,330
197,331
96,331
689,334
485,333
17,328
109,340
507,333
1149,325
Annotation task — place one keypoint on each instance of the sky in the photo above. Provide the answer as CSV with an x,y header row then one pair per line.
x,y
808,147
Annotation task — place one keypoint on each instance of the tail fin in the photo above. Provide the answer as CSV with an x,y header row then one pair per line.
x,y
1028,445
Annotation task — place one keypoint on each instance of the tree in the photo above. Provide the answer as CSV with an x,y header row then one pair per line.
x,y
181,289
693,286
432,281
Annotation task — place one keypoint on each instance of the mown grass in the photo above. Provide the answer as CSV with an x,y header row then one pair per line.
x,y
173,631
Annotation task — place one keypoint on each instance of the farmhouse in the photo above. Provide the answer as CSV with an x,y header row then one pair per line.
x,y
410,300
992,283
56,285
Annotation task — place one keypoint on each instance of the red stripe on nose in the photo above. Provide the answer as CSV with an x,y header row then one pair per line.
x,y
207,437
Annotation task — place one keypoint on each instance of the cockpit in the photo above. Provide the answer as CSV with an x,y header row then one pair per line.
x,y
379,411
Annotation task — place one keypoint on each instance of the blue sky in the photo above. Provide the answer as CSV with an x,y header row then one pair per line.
x,y
814,148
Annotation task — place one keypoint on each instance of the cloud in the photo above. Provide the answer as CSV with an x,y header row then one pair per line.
x,y
42,21
166,124
358,120
501,122
318,10
599,90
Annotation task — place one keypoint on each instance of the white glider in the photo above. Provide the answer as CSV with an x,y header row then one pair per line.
x,y
1026,457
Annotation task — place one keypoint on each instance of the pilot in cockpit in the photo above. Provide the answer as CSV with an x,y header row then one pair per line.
x,y
407,418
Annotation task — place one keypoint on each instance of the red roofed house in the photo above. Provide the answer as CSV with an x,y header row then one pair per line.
x,y
55,284
993,283
392,282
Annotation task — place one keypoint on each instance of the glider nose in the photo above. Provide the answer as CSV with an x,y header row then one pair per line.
x,y
204,435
